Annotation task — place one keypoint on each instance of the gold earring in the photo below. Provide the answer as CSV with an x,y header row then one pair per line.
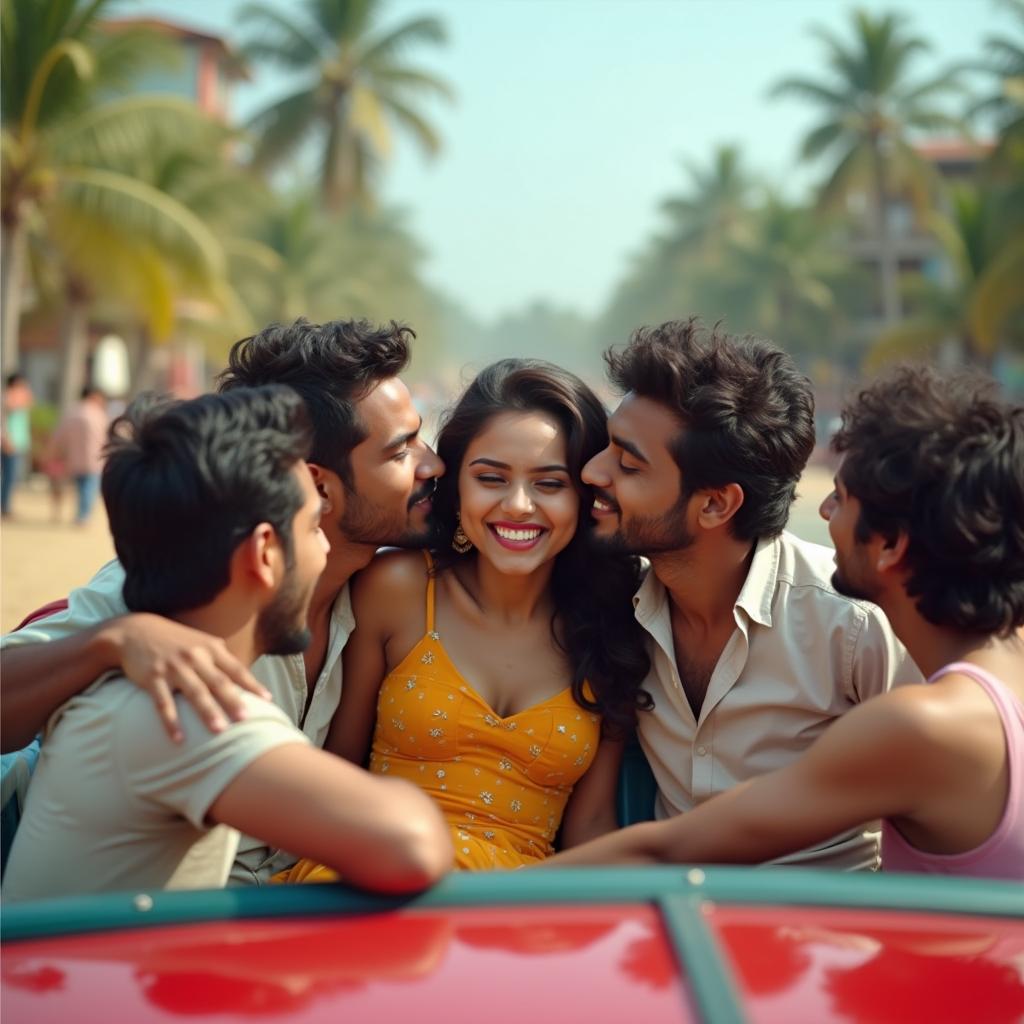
x,y
460,542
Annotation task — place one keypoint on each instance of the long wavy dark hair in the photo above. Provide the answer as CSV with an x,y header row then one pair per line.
x,y
592,588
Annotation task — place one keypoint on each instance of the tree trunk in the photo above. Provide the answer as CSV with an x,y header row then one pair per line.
x,y
888,264
12,264
74,338
140,360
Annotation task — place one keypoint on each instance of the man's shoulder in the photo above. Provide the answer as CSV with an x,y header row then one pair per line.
x,y
143,744
117,698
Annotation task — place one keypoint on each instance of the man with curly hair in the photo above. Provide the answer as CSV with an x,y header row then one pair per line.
x,y
927,517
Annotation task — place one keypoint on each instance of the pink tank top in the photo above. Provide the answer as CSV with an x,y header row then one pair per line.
x,y
1002,854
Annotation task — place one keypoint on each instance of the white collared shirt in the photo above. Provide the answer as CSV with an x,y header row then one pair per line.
x,y
800,655
284,676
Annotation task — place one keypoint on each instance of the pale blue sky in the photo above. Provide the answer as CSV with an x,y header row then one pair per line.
x,y
573,118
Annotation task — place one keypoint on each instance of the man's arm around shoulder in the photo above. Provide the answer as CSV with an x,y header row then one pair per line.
x,y
47,663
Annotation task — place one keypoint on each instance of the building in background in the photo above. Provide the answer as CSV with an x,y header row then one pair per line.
x,y
205,74
917,251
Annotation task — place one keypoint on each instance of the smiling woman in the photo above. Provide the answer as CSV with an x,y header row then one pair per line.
x,y
502,672
516,497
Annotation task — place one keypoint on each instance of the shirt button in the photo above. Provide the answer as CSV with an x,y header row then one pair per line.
x,y
701,751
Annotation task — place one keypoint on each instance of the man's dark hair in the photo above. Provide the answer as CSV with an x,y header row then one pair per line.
x,y
940,457
185,482
331,366
746,414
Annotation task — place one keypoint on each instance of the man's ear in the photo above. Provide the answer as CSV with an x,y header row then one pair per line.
x,y
891,553
716,507
331,490
260,558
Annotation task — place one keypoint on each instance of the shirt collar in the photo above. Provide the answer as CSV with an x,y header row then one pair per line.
x,y
758,589
755,597
649,598
341,610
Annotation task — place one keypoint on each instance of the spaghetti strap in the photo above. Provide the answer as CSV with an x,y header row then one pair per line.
x,y
430,592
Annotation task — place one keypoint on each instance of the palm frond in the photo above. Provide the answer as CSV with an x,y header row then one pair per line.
x,y
911,339
122,129
390,77
852,172
366,118
132,208
283,126
808,89
286,42
998,295
417,30
343,21
414,122
947,81
821,139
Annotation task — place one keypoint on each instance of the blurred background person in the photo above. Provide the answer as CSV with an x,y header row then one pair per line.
x,y
77,445
15,437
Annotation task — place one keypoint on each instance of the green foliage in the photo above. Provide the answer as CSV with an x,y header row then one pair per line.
x,y
869,106
355,84
74,189
979,295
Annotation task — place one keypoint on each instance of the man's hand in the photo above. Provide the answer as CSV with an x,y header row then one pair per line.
x,y
164,657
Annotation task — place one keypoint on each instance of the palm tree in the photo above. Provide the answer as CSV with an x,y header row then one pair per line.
x,y
65,187
870,107
785,279
1006,62
301,262
982,238
713,212
355,85
167,298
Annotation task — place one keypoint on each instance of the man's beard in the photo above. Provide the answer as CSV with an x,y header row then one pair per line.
x,y
844,586
362,522
282,627
651,535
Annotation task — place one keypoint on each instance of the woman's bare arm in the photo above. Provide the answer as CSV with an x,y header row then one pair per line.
x,y
386,595
591,808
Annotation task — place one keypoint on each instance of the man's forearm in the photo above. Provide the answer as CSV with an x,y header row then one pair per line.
x,y
637,844
35,679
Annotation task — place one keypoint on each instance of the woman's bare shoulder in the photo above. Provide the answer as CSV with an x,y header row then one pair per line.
x,y
393,575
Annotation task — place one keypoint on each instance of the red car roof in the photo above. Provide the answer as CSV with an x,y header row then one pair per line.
x,y
650,946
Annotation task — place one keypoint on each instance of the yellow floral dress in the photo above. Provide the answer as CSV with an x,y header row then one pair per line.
x,y
502,783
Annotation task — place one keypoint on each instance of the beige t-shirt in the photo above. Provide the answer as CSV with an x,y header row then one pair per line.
x,y
800,656
115,804
284,675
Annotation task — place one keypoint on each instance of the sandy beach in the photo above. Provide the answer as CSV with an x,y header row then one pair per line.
x,y
41,560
